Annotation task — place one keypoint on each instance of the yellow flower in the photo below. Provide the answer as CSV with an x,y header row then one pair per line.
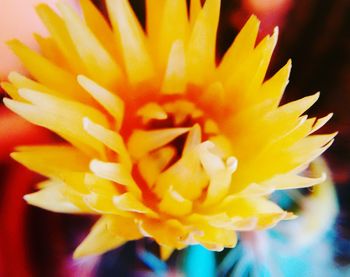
x,y
162,141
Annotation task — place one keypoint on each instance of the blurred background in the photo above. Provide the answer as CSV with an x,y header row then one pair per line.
x,y
315,34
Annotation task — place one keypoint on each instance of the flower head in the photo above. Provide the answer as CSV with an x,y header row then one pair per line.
x,y
162,142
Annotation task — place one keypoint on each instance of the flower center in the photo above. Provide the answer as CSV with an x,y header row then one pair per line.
x,y
176,154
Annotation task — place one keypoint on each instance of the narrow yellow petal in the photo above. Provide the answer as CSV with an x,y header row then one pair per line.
x,y
275,86
296,108
52,199
321,122
49,50
154,15
102,204
108,233
195,8
292,181
115,172
60,36
137,59
99,185
200,56
51,160
175,74
240,49
101,29
21,81
173,27
99,63
193,139
109,138
11,90
61,116
128,202
143,142
48,73
111,102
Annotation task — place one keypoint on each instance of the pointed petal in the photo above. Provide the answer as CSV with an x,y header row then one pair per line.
x,y
275,86
48,73
116,173
111,102
60,36
61,116
108,233
51,160
52,198
21,81
154,15
173,27
195,8
240,49
175,74
193,139
143,142
98,62
109,138
128,202
151,165
292,181
200,54
101,29
11,90
137,60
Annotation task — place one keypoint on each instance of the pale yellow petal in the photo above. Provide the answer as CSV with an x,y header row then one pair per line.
x,y
52,198
110,101
128,202
292,181
59,115
109,138
115,172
